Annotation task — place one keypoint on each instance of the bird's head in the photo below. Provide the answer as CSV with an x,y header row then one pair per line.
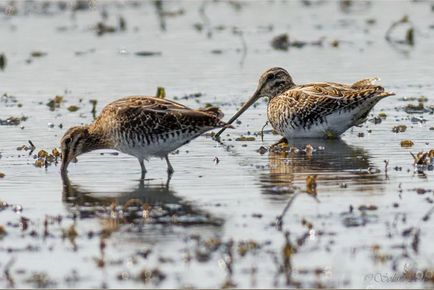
x,y
272,83
73,143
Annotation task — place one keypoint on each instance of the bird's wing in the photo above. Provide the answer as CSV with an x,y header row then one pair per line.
x,y
307,103
149,115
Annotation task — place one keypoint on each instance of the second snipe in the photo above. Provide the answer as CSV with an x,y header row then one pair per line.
x,y
141,127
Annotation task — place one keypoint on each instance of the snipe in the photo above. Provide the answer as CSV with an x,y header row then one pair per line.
x,y
315,110
141,127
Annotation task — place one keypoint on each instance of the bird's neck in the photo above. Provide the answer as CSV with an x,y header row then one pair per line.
x,y
97,139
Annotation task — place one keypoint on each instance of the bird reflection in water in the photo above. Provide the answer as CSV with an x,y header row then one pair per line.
x,y
147,204
333,161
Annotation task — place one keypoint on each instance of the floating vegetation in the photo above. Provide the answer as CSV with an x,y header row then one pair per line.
x,y
245,138
30,148
93,103
262,150
280,42
147,53
154,276
335,43
161,93
382,115
368,207
38,54
122,24
40,280
102,28
283,42
73,108
407,143
9,101
189,96
415,109
311,184
245,247
399,129
55,102
409,35
13,121
2,61
423,158
45,159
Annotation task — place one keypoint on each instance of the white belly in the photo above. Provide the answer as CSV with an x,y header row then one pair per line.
x,y
158,147
333,126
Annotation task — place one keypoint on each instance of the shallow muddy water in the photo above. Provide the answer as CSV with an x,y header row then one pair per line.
x,y
214,223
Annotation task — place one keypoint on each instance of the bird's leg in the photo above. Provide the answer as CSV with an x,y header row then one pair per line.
x,y
280,144
169,166
142,165
169,177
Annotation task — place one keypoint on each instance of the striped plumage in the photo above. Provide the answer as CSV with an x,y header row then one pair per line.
x,y
142,127
315,110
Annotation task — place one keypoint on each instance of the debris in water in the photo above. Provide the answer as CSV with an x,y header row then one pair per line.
x,y
368,207
147,53
407,143
93,102
55,102
244,138
161,93
73,108
2,61
423,158
409,35
12,121
280,42
262,150
102,29
382,115
311,184
415,109
399,129
38,54
122,24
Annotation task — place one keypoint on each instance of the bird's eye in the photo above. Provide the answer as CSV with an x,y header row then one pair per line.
x,y
271,77
67,141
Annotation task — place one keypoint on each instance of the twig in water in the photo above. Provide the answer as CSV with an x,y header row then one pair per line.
x,y
386,164
205,19
244,44
160,12
428,214
32,147
262,131
8,274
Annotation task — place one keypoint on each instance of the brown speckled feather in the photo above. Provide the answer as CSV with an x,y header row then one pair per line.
x,y
306,105
315,110
155,116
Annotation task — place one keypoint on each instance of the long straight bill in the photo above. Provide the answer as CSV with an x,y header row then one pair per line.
x,y
250,102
